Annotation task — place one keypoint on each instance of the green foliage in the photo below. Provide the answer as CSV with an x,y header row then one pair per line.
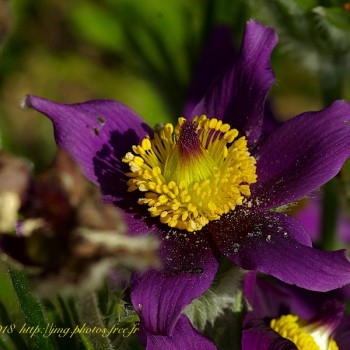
x,y
65,313
318,36
33,315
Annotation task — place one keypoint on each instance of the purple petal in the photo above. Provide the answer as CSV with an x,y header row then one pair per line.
x,y
310,217
270,122
217,54
184,336
98,134
302,155
249,287
330,315
189,266
306,303
257,335
238,96
277,245
266,298
342,334
287,298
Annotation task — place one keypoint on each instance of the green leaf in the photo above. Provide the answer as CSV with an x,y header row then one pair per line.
x,y
35,322
85,340
4,345
15,336
318,36
90,315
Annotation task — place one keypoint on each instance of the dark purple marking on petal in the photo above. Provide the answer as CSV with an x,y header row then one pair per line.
x,y
238,96
277,245
257,335
184,337
159,296
100,154
301,155
217,54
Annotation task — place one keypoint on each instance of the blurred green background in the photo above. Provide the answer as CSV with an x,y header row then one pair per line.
x,y
139,52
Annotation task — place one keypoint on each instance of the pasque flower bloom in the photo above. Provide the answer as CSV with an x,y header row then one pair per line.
x,y
208,186
289,317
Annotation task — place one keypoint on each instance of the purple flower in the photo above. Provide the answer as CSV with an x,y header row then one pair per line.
x,y
208,186
288,317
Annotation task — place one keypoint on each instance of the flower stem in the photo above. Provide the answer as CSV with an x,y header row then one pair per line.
x,y
332,84
332,89
330,215
91,316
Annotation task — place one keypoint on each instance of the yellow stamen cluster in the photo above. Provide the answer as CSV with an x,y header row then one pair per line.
x,y
188,183
290,327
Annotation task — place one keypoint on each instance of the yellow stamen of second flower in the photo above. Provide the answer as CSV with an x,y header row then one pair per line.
x,y
290,327
193,173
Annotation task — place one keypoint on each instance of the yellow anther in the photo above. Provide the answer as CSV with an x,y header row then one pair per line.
x,y
211,206
290,327
191,207
218,125
128,157
143,187
146,144
212,123
138,160
182,185
231,135
156,171
147,175
163,199
181,120
184,216
134,167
